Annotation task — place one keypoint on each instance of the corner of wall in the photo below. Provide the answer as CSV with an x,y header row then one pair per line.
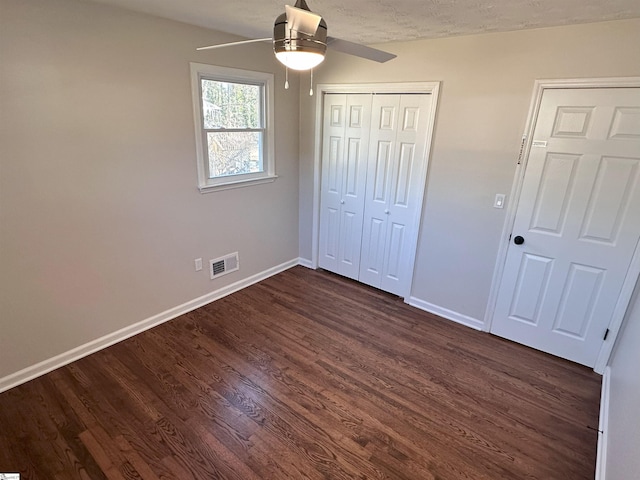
x,y
306,263
603,427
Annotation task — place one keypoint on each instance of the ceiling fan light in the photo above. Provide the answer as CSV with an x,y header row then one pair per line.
x,y
299,60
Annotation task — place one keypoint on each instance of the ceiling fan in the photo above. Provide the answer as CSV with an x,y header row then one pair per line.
x,y
300,40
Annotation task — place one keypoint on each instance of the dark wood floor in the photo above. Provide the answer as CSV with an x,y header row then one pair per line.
x,y
306,376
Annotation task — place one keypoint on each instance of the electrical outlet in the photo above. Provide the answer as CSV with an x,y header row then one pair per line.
x,y
198,264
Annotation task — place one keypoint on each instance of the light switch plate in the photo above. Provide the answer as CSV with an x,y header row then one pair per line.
x,y
499,201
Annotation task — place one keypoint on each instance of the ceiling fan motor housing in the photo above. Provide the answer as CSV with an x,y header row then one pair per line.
x,y
285,40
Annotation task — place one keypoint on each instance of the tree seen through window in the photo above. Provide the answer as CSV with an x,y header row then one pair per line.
x,y
233,121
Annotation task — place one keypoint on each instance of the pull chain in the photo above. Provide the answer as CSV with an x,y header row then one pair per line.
x,y
311,87
286,69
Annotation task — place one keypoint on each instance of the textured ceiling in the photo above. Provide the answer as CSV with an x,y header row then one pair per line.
x,y
379,21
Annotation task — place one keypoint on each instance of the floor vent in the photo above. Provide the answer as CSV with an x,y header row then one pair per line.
x,y
223,265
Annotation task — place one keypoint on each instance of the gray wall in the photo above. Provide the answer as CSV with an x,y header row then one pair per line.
x,y
623,431
100,217
487,84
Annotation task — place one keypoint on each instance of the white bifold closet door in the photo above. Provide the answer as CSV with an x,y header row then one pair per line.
x,y
373,177
395,186
345,143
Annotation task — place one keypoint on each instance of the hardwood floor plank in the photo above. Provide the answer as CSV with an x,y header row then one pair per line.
x,y
133,458
105,459
306,375
193,456
138,431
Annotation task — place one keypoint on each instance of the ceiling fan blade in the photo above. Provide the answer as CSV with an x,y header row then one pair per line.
x,y
359,50
301,20
233,44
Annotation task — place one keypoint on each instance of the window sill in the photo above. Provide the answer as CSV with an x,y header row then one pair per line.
x,y
237,184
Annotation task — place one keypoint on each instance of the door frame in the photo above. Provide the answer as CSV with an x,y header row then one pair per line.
x,y
431,88
633,274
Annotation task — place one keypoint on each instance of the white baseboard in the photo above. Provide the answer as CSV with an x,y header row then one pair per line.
x,y
446,313
93,346
603,426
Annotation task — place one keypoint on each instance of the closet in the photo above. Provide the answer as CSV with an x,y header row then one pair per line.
x,y
374,163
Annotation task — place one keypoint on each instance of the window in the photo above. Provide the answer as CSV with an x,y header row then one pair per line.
x,y
233,111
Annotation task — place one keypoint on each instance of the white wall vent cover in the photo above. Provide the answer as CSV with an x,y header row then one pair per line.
x,y
223,265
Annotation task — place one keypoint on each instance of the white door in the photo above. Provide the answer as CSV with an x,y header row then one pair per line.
x,y
579,221
345,144
395,184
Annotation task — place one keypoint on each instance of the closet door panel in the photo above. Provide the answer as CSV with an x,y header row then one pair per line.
x,y
346,126
406,189
333,127
382,148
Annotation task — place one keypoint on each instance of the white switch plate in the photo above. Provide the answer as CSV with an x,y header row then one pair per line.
x,y
499,201
198,264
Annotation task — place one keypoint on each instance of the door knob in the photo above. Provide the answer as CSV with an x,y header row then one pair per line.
x,y
386,211
518,240
342,202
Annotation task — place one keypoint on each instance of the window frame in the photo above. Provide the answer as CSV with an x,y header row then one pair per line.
x,y
200,71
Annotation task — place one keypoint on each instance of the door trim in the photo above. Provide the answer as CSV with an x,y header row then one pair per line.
x,y
431,88
633,273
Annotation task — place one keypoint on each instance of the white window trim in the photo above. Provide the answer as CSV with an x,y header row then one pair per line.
x,y
205,184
